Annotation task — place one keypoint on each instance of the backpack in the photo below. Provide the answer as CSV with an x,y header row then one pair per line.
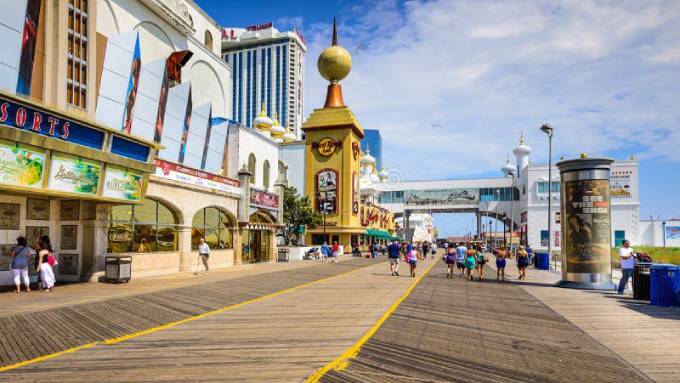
x,y
51,259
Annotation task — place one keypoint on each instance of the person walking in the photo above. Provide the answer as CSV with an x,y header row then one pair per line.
x,y
500,264
470,263
325,250
433,250
204,253
450,259
426,249
335,252
461,252
376,248
393,254
45,258
19,264
413,261
522,262
627,259
481,261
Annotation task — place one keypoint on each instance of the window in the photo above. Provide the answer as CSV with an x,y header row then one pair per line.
x,y
251,167
215,226
283,170
147,227
77,37
208,40
265,175
542,187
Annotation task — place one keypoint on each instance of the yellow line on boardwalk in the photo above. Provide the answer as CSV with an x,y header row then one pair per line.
x,y
166,326
343,360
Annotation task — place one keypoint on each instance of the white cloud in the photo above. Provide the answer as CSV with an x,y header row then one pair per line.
x,y
604,74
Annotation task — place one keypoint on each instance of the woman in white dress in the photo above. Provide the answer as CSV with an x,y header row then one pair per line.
x,y
44,267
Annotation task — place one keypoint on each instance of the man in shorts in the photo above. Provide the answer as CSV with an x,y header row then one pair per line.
x,y
393,257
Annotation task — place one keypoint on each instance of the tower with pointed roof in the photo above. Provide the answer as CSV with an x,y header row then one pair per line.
x,y
333,154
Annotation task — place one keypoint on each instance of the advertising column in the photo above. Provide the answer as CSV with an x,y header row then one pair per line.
x,y
586,223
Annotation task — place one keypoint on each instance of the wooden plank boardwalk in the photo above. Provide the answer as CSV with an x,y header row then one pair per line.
x,y
35,334
462,331
280,339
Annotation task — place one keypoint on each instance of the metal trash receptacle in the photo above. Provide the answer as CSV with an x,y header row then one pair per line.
x,y
542,261
283,255
118,268
664,285
641,274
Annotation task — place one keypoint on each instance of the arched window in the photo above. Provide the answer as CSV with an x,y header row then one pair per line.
x,y
251,167
208,40
265,174
147,227
215,226
283,170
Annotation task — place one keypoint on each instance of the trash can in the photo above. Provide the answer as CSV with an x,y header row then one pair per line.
x,y
542,261
641,280
664,285
283,254
118,268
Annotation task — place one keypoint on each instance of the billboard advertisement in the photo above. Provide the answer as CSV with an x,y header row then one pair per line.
x,y
455,196
133,83
123,184
672,234
21,166
587,226
28,42
73,175
620,183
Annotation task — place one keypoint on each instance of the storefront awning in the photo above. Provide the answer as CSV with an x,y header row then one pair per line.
x,y
378,234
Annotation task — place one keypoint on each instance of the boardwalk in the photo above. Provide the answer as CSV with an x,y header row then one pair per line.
x,y
286,322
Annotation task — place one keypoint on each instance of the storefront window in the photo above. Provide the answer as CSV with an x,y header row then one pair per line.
x,y
215,226
143,228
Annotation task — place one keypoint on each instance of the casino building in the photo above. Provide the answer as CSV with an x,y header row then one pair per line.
x,y
113,135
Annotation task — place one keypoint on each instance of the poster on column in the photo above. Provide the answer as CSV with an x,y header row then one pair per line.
x,y
133,83
587,237
21,166
73,175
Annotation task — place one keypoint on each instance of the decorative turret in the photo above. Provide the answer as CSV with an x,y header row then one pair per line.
x,y
289,136
368,161
334,64
277,130
262,122
383,174
508,168
521,153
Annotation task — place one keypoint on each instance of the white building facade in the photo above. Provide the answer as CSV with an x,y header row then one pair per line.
x,y
268,69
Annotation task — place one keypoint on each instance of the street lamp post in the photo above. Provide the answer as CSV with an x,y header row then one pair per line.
x,y
512,209
547,129
495,224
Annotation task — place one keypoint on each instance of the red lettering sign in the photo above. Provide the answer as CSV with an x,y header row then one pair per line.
x,y
20,118
53,124
259,27
65,129
37,119
3,112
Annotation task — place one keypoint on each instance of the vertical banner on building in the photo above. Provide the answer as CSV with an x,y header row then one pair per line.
x,y
185,130
355,194
587,237
28,42
162,102
206,147
133,83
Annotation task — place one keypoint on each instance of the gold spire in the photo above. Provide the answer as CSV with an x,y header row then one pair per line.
x,y
521,137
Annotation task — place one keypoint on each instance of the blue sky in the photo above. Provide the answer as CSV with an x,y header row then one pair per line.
x,y
451,84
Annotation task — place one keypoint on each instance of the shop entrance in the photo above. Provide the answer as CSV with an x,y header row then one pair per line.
x,y
256,245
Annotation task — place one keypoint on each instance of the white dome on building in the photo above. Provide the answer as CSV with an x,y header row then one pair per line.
x,y
367,159
262,121
508,168
522,149
288,136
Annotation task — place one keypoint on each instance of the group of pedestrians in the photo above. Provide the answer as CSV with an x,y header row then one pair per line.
x,y
330,252
407,251
471,259
44,262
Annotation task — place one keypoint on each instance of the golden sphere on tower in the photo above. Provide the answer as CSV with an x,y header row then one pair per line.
x,y
334,63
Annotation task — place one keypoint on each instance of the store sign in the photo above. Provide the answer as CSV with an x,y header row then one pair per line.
x,y
259,27
456,196
179,173
263,199
620,183
73,175
21,166
122,184
327,146
41,122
